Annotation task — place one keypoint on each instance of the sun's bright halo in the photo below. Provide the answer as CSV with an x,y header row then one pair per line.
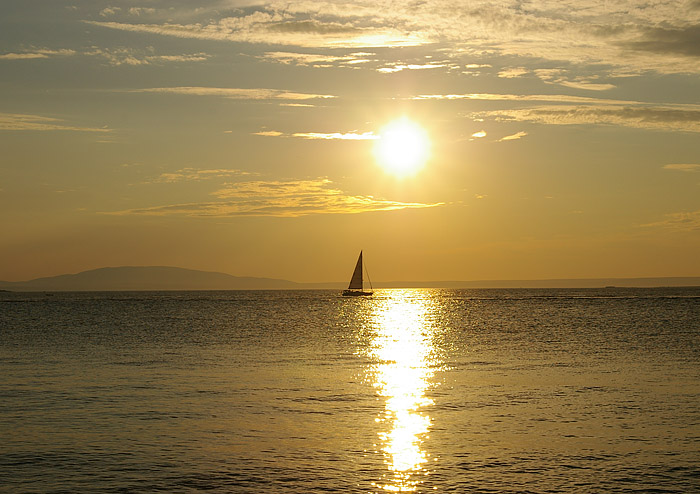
x,y
402,147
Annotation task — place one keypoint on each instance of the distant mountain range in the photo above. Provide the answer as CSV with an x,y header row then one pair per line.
x,y
171,278
146,278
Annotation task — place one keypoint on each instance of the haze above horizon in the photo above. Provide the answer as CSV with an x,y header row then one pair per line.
x,y
492,140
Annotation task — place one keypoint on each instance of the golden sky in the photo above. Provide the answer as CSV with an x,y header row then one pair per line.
x,y
489,139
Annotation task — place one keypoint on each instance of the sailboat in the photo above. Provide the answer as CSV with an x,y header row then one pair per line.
x,y
355,287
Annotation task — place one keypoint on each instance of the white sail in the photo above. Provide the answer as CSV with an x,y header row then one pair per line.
x,y
356,281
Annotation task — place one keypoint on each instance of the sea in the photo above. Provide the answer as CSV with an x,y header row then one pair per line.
x,y
410,390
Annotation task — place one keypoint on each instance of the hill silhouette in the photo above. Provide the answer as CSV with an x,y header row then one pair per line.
x,y
147,278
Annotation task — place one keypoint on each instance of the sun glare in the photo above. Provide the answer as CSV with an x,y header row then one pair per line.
x,y
402,148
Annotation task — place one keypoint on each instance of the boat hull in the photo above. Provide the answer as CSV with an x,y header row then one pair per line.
x,y
356,293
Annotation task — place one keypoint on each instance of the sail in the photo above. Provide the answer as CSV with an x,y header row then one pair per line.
x,y
356,281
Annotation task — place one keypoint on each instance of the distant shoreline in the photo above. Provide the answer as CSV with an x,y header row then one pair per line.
x,y
313,287
167,278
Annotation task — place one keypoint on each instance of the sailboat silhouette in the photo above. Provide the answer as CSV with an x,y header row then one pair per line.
x,y
355,288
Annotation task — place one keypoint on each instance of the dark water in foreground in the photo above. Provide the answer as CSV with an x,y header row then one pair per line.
x,y
305,391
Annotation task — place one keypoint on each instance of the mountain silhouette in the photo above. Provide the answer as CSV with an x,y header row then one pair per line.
x,y
147,278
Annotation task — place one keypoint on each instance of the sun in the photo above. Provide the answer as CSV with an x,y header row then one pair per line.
x,y
402,148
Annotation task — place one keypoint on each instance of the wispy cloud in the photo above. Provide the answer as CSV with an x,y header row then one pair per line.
x,y
391,68
290,199
561,77
342,136
316,59
129,56
114,56
513,137
652,118
15,121
686,221
236,93
623,35
109,11
269,133
37,53
477,135
277,27
513,72
586,85
196,175
683,167
552,98
681,40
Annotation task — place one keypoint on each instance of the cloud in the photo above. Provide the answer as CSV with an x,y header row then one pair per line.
x,y
513,137
128,56
552,98
620,36
15,121
137,11
282,27
558,76
587,85
114,56
399,67
473,69
269,133
109,11
686,221
584,110
347,136
652,118
479,134
513,72
196,175
315,59
681,41
37,53
21,56
683,167
289,199
235,93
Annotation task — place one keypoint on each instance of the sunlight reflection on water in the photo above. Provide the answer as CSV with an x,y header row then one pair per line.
x,y
404,364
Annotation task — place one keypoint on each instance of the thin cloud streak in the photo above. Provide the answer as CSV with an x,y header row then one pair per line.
x,y
37,53
128,56
316,59
513,137
20,122
552,98
651,118
683,167
114,56
196,175
275,28
235,93
286,199
347,136
685,221
399,67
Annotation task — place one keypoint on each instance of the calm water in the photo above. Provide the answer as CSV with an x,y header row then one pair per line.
x,y
306,391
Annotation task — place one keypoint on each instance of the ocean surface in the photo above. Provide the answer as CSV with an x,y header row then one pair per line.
x,y
469,391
